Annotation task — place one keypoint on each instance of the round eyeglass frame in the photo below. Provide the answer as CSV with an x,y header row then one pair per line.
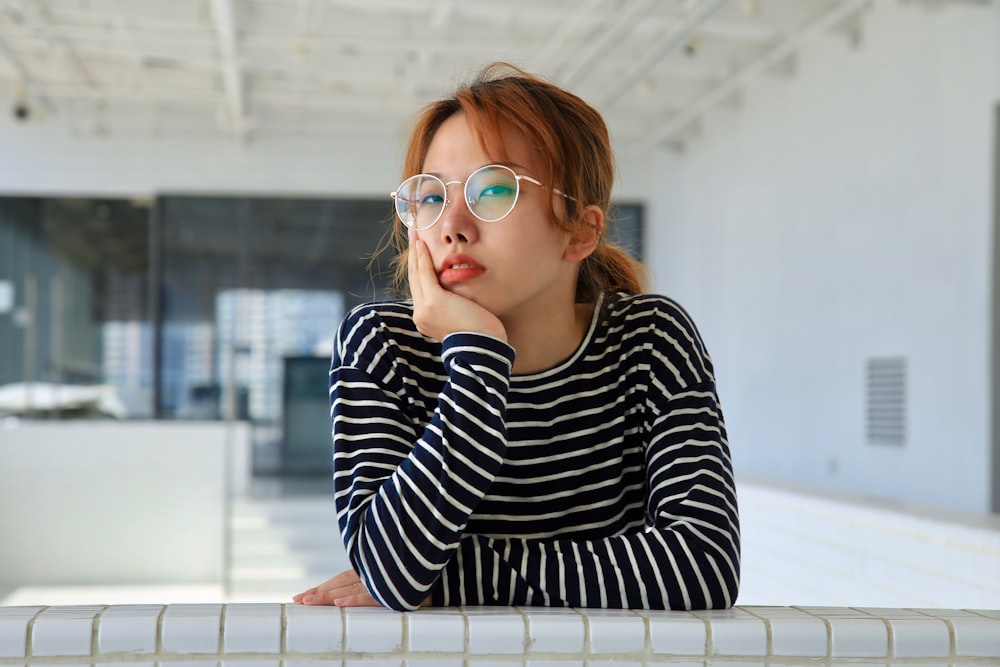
x,y
401,201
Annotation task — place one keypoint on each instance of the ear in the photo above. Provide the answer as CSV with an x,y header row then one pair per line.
x,y
584,238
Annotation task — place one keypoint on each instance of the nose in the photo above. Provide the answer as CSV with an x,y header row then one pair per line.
x,y
457,224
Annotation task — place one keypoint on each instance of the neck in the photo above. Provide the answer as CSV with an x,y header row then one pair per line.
x,y
542,342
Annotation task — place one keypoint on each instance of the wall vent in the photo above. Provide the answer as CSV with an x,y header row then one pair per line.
x,y
886,410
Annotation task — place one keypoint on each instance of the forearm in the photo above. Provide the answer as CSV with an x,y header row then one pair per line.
x,y
683,568
403,509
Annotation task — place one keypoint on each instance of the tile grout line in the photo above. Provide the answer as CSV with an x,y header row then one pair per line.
x,y
768,632
94,623
283,632
159,628
220,648
826,624
952,638
29,635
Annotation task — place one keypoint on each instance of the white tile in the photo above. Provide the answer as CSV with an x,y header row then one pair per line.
x,y
250,663
798,636
614,663
252,628
125,664
833,612
948,613
920,638
393,662
620,631
373,630
314,629
66,630
191,628
494,630
569,662
554,630
128,628
891,612
14,630
433,661
192,663
677,633
858,638
440,630
735,632
976,637
769,612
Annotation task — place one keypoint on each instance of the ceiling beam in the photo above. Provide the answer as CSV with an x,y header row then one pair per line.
x,y
667,43
27,84
58,34
568,27
585,62
740,79
224,21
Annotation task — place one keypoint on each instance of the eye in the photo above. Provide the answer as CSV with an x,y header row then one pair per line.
x,y
430,199
497,190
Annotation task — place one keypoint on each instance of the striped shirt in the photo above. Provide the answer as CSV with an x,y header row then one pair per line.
x,y
605,481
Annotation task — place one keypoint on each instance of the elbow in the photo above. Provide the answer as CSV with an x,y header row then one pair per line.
x,y
401,604
408,600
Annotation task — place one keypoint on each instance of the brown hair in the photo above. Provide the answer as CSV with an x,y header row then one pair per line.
x,y
573,141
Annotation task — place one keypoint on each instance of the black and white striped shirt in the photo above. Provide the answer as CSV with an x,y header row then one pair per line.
x,y
605,481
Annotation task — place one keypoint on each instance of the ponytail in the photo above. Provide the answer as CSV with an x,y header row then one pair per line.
x,y
607,270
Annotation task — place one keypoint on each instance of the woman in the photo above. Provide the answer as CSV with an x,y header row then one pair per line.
x,y
530,429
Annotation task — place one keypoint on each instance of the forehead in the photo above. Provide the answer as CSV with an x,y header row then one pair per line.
x,y
459,144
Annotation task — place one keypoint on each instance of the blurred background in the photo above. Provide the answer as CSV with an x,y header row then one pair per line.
x,y
191,193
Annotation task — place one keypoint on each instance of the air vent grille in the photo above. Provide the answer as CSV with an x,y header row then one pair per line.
x,y
886,410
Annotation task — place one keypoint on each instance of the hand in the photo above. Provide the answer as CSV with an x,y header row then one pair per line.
x,y
438,312
344,590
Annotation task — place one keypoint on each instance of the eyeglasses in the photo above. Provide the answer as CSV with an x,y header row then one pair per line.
x,y
490,192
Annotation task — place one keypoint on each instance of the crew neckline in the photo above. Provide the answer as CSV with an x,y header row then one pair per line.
x,y
571,359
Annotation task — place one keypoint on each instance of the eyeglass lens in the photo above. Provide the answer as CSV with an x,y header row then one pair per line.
x,y
490,193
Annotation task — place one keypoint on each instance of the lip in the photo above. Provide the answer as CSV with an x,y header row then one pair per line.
x,y
459,268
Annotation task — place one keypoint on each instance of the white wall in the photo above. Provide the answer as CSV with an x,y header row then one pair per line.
x,y
99,502
55,154
49,156
841,214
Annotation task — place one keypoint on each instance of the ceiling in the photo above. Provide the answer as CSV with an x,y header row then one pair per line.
x,y
316,68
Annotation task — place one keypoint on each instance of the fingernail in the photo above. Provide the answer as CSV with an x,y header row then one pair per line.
x,y
308,599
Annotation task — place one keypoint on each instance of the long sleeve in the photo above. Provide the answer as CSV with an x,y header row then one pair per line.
x,y
687,559
603,482
405,489
684,553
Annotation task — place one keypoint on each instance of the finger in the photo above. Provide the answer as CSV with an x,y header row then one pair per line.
x,y
355,594
345,578
360,600
298,597
411,266
340,582
426,275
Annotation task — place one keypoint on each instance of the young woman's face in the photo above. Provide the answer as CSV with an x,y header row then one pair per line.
x,y
515,266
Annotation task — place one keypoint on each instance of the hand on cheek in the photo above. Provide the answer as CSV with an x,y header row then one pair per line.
x,y
438,312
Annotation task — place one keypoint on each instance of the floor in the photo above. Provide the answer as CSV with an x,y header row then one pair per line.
x,y
798,549
283,539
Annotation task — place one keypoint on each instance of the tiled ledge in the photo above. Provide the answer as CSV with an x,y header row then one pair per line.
x,y
272,634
